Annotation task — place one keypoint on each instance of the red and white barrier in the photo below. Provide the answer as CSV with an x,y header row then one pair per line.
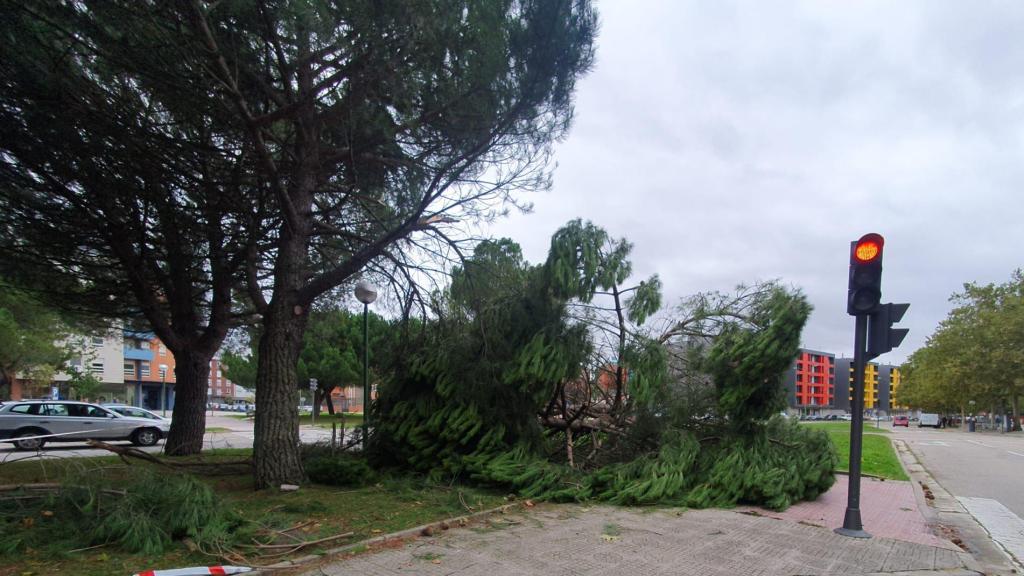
x,y
197,571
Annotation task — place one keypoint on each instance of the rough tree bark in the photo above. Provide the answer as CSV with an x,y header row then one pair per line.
x,y
277,420
188,420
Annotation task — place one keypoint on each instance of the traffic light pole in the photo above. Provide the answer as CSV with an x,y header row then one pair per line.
x,y
852,526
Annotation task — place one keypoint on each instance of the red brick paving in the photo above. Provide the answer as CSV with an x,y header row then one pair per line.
x,y
887,509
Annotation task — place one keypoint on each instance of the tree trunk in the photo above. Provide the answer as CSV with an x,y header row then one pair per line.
x,y
276,455
327,398
188,420
1015,405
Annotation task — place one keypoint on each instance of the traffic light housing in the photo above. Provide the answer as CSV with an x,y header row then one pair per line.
x,y
865,287
882,337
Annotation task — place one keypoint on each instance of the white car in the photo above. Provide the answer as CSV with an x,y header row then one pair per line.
x,y
31,424
134,411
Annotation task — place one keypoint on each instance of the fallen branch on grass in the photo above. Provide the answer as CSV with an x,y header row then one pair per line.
x,y
47,488
209,468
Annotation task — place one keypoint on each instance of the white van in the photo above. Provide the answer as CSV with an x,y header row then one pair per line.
x,y
929,420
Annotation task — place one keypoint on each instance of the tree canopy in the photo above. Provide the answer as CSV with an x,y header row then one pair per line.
x,y
975,354
30,336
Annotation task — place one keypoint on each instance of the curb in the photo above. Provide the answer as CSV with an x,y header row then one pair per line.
x,y
421,530
946,517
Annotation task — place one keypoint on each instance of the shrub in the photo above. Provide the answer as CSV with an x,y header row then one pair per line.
x,y
340,470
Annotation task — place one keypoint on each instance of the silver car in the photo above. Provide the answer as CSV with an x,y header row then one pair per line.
x,y
31,424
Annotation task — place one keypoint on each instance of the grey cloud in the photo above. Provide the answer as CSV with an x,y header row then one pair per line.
x,y
737,141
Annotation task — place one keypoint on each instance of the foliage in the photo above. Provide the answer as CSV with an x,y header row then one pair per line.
x,y
125,192
786,464
29,333
746,365
976,353
498,388
339,470
332,352
472,383
85,385
144,513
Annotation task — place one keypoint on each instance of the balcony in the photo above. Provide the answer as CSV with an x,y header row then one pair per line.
x,y
144,354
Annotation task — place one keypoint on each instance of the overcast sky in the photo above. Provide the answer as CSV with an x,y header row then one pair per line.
x,y
732,142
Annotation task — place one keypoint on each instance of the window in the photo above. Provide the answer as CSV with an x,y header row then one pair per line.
x,y
163,371
163,350
96,367
76,362
129,368
56,409
144,368
97,341
218,373
26,409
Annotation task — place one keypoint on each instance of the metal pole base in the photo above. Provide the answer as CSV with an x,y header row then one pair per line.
x,y
852,527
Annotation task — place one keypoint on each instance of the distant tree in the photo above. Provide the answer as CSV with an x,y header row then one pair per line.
x,y
30,336
976,353
84,385
332,353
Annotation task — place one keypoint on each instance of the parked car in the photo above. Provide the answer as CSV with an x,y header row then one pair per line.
x,y
133,411
932,420
846,417
901,421
23,424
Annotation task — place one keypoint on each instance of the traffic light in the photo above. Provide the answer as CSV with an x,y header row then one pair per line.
x,y
865,288
882,337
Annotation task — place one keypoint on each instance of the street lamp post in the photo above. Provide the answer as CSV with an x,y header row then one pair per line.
x,y
312,390
366,293
163,391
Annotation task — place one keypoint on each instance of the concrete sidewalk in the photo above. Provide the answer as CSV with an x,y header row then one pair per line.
x,y
606,540
888,508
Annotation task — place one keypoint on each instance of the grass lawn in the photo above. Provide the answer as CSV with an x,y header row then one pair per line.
x,y
392,504
324,420
878,457
869,427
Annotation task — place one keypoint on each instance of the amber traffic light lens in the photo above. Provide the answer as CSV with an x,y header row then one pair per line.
x,y
867,251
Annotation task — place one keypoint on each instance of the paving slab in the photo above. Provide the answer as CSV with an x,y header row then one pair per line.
x,y
1005,527
888,509
599,540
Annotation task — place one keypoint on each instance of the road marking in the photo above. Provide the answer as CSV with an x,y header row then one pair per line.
x,y
935,443
1005,527
1016,453
980,443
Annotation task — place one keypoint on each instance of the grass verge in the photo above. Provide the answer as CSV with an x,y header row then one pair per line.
x,y
878,457
395,503
324,420
869,427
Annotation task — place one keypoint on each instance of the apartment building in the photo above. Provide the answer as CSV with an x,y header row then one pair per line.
x,y
135,368
810,381
881,383
148,371
99,355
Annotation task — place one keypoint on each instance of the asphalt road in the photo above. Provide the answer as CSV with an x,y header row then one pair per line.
x,y
984,471
979,465
235,433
